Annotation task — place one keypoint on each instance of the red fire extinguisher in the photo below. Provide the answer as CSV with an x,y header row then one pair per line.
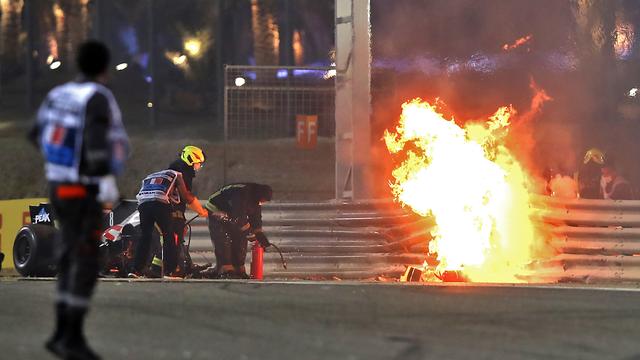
x,y
257,254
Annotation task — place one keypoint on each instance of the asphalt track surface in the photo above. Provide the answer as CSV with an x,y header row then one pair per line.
x,y
252,320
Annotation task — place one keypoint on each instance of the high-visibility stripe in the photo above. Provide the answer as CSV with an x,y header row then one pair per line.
x,y
71,191
156,261
73,300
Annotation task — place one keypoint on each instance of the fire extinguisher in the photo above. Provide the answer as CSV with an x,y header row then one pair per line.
x,y
257,261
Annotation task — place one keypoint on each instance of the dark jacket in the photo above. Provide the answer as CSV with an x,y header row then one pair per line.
x,y
241,203
187,175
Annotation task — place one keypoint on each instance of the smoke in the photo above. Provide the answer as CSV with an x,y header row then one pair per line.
x,y
563,187
582,55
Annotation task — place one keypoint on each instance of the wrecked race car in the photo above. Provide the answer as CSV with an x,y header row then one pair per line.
x,y
34,249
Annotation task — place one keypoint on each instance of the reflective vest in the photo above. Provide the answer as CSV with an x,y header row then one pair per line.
x,y
61,119
160,186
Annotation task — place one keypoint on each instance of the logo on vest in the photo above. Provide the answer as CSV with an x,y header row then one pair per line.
x,y
42,216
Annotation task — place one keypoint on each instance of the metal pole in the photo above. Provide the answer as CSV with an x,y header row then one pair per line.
x,y
97,20
1,56
152,46
226,128
219,38
30,53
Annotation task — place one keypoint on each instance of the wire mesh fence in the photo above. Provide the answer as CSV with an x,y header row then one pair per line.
x,y
262,102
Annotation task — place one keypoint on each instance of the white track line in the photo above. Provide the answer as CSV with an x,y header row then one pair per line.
x,y
630,288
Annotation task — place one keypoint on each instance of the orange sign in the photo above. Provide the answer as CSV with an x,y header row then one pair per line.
x,y
307,131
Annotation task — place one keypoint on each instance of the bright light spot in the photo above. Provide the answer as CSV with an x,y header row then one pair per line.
x,y
49,59
122,66
149,104
282,73
54,65
193,46
330,73
240,81
179,60
148,79
633,92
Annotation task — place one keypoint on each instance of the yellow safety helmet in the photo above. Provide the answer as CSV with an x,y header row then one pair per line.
x,y
192,155
594,154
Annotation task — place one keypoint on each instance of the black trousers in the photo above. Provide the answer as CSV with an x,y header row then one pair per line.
x,y
229,243
80,217
155,213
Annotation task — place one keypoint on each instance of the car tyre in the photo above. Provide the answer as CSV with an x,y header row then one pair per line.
x,y
33,250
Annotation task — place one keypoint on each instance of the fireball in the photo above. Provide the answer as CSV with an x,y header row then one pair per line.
x,y
473,187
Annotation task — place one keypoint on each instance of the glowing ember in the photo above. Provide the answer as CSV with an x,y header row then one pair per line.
x,y
517,43
472,185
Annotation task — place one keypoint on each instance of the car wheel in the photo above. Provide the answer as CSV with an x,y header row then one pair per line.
x,y
33,250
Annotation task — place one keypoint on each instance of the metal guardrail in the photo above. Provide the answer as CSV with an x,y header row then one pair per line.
x,y
345,240
596,240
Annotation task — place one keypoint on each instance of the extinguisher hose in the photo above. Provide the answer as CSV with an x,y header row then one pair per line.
x,y
284,263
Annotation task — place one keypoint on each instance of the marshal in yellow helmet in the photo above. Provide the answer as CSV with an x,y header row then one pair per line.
x,y
192,155
594,154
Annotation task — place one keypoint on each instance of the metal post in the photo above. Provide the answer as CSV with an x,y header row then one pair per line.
x,y
152,47
97,20
226,126
219,39
30,52
352,102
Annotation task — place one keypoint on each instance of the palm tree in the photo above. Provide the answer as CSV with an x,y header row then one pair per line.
x,y
75,27
266,34
10,30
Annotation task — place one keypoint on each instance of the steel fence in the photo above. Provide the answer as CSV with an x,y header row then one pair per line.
x,y
262,102
594,240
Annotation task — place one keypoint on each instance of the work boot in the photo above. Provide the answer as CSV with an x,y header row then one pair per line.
x,y
155,272
241,272
54,344
135,275
74,345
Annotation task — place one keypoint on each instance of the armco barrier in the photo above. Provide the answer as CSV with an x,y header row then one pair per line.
x,y
13,215
345,240
596,240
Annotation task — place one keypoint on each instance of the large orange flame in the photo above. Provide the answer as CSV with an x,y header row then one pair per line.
x,y
471,184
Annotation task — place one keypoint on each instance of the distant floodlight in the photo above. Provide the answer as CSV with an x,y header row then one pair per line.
x,y
192,46
54,65
149,104
633,92
240,81
50,59
179,60
121,66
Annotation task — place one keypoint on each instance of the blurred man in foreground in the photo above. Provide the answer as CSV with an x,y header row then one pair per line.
x,y
80,133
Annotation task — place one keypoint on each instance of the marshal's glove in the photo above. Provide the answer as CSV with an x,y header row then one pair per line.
x,y
108,190
262,239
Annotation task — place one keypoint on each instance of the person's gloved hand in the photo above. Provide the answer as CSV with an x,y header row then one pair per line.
x,y
251,237
203,213
262,239
220,215
108,190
